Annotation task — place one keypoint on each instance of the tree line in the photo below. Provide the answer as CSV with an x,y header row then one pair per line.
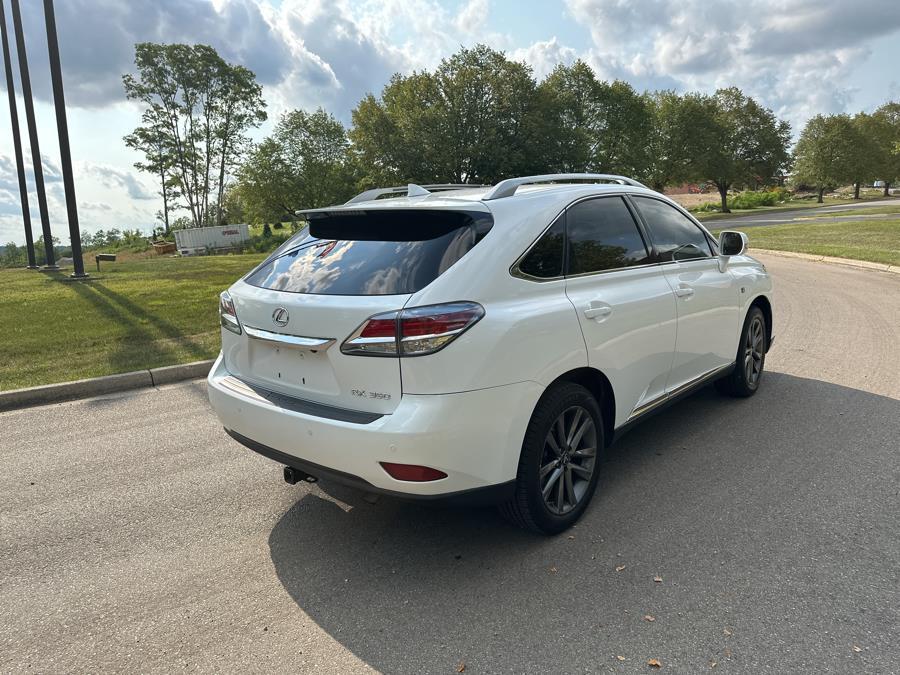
x,y
840,150
478,117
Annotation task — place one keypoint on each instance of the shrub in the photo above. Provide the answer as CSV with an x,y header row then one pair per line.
x,y
708,207
262,243
753,200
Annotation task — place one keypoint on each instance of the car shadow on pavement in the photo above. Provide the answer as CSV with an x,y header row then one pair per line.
x,y
758,532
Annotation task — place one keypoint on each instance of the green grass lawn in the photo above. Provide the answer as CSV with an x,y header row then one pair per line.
x,y
872,240
130,316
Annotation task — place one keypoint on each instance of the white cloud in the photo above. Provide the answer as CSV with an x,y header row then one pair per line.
x,y
544,56
94,206
117,179
472,18
796,55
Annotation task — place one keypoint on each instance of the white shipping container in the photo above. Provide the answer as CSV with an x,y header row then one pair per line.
x,y
196,240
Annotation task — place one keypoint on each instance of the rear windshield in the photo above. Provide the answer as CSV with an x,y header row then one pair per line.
x,y
378,252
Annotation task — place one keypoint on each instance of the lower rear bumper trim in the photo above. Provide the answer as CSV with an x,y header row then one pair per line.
x,y
482,496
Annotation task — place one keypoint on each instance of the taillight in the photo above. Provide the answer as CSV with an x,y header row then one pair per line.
x,y
227,315
413,332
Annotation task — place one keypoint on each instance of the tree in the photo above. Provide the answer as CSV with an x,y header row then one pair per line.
x,y
866,156
683,133
599,126
197,109
477,118
749,144
160,162
625,125
400,137
571,93
825,152
12,255
305,163
241,108
886,130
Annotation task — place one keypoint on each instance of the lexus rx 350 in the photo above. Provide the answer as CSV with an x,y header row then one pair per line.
x,y
484,344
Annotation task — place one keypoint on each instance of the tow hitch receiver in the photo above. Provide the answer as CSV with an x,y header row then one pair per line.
x,y
293,476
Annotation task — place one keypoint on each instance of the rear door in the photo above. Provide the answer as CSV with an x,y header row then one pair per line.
x,y
707,298
298,307
624,304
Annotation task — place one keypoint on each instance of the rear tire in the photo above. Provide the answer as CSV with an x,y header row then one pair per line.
x,y
559,464
744,380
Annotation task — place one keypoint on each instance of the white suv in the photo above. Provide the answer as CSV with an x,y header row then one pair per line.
x,y
483,344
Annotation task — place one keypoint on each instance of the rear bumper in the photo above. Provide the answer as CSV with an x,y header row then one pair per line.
x,y
484,496
474,437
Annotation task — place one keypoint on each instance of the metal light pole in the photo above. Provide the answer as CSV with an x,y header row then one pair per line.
x,y
17,140
32,135
62,126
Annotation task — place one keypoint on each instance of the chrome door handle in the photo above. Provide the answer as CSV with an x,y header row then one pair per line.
x,y
598,312
684,291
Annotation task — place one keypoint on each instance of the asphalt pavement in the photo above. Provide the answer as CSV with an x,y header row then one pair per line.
x,y
742,536
821,214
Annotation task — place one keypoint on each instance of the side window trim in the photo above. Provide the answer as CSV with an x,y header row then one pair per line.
x,y
684,212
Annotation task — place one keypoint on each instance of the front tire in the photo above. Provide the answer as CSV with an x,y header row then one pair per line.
x,y
559,464
744,380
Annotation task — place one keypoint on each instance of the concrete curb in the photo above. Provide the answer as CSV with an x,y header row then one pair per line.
x,y
845,262
96,386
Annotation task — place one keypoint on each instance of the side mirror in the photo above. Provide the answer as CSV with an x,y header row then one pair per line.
x,y
733,243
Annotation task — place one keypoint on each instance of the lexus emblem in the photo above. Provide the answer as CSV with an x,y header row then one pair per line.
x,y
280,317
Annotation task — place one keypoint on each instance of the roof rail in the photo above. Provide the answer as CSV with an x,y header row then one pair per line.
x,y
411,190
508,187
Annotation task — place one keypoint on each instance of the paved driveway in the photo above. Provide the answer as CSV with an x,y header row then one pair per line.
x,y
135,536
821,214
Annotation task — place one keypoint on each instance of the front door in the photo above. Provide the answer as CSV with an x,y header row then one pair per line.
x,y
706,297
624,303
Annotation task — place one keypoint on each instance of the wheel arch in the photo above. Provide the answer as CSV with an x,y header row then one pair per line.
x,y
598,384
765,306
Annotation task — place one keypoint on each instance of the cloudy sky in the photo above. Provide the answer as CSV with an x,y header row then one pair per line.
x,y
799,57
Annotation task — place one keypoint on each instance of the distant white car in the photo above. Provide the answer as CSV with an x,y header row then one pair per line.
x,y
484,344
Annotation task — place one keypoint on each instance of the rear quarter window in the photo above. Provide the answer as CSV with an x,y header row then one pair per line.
x,y
378,252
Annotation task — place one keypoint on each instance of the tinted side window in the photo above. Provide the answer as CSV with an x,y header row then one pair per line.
x,y
603,236
545,259
673,233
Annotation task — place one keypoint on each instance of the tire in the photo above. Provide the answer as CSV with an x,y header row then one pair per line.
x,y
744,379
569,452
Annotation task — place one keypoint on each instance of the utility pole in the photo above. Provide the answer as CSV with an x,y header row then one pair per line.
x,y
62,126
17,140
32,134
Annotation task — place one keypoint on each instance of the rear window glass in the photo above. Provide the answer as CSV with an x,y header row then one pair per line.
x,y
383,252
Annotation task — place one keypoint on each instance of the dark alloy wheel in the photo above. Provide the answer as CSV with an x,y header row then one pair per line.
x,y
567,465
751,358
558,468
